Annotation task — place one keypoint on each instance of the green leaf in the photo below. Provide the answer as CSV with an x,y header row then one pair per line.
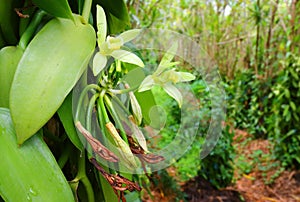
x,y
28,172
128,57
115,25
147,103
117,8
99,62
48,70
174,93
9,59
57,8
66,117
9,21
293,106
287,93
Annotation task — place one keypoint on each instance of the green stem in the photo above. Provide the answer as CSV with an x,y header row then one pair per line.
x,y
105,134
102,107
64,156
119,102
82,95
35,22
116,118
87,10
89,114
122,91
81,175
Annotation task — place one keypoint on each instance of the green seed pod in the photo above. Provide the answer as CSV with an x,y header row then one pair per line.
x,y
9,59
50,67
28,172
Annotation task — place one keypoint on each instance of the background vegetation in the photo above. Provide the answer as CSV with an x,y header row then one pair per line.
x,y
255,45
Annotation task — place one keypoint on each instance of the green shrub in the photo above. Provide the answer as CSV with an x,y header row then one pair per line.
x,y
284,125
217,167
248,102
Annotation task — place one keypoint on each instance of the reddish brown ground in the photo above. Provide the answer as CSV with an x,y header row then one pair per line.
x,y
266,182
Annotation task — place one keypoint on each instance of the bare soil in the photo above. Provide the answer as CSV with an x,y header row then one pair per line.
x,y
266,182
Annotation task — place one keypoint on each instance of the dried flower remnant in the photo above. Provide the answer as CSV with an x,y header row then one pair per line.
x,y
140,153
117,182
96,145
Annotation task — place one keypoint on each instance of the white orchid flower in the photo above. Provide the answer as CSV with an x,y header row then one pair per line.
x,y
166,78
111,46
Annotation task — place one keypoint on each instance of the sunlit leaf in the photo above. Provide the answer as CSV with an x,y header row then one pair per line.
x,y
29,172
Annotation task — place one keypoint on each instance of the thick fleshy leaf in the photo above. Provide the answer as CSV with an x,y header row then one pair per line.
x,y
116,15
174,93
147,84
9,59
29,172
129,35
58,8
101,25
99,62
48,70
66,117
9,21
128,57
167,58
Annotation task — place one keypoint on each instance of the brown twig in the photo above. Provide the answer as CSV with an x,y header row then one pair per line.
x,y
19,11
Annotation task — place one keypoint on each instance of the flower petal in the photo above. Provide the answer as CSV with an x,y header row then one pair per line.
x,y
185,76
127,57
174,93
99,62
146,84
167,58
129,35
101,25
